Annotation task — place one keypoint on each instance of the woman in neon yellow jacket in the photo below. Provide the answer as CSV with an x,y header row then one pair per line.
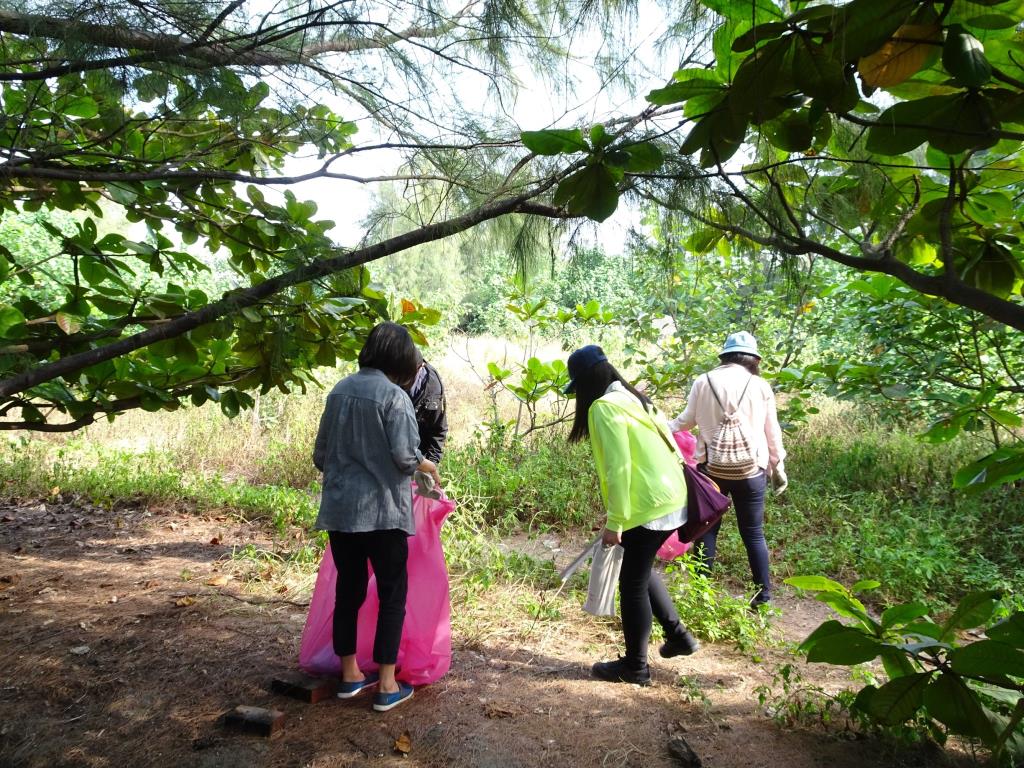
x,y
644,491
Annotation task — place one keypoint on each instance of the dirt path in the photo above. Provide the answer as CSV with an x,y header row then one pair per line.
x,y
125,634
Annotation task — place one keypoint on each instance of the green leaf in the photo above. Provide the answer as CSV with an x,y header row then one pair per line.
x,y
10,318
81,106
863,26
992,21
988,657
555,141
1004,465
93,270
956,706
825,629
643,157
791,133
848,646
758,33
963,56
904,126
590,192
865,585
898,615
973,610
1010,630
845,605
816,584
599,137
695,82
898,700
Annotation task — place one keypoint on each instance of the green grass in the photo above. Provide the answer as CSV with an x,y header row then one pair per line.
x,y
866,503
863,502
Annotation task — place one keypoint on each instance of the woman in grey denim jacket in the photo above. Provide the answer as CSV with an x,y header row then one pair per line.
x,y
367,448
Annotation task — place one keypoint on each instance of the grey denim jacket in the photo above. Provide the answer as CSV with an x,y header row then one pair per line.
x,y
367,448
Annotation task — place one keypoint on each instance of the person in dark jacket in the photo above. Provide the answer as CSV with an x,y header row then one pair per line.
x,y
427,393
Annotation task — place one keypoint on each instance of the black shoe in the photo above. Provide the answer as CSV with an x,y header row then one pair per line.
x,y
619,672
683,645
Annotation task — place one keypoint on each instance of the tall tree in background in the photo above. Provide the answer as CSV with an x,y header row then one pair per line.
x,y
178,117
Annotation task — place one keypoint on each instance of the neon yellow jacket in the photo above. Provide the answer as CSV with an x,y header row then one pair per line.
x,y
641,479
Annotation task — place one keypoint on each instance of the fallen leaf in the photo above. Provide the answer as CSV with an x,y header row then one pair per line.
x,y
181,602
55,490
219,580
403,743
151,584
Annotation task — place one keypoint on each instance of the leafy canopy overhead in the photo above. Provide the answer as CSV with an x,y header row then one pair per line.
x,y
882,134
166,130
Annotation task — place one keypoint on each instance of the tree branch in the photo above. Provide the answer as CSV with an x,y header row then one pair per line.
x,y
233,301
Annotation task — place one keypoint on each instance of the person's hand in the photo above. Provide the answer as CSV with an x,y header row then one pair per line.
x,y
781,481
430,468
610,538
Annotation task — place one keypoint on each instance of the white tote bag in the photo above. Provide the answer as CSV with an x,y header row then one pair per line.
x,y
604,578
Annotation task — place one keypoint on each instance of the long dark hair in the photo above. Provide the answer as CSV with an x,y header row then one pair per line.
x,y
751,362
590,385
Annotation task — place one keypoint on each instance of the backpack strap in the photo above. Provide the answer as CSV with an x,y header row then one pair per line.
x,y
719,400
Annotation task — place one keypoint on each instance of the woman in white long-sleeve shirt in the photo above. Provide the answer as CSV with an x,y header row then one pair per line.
x,y
736,386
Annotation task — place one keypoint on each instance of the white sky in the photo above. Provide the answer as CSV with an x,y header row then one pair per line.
x,y
536,106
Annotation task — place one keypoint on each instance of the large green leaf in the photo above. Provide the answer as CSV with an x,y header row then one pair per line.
x,y
974,610
816,584
952,703
988,657
904,126
846,646
689,83
555,141
899,615
863,26
590,192
963,56
1010,630
898,700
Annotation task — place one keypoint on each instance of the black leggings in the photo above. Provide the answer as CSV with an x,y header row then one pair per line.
x,y
642,594
387,552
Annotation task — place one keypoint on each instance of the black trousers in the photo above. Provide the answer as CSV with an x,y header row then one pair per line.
x,y
748,500
642,594
387,552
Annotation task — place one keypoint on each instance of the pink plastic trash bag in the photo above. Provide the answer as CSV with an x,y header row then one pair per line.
x,y
425,651
673,547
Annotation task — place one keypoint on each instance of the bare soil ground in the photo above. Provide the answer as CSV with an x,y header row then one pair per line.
x,y
125,634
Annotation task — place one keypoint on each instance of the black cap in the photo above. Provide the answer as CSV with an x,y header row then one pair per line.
x,y
581,361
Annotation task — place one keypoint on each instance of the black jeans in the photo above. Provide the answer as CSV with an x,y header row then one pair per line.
x,y
642,594
748,500
387,552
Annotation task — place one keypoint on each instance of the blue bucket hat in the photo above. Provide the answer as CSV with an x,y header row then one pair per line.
x,y
741,341
581,361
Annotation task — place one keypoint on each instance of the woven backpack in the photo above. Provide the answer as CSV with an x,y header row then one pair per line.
x,y
730,455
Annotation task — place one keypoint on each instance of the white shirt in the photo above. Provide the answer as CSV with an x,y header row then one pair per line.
x,y
756,412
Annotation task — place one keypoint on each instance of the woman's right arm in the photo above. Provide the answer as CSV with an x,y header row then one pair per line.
x,y
404,437
688,418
